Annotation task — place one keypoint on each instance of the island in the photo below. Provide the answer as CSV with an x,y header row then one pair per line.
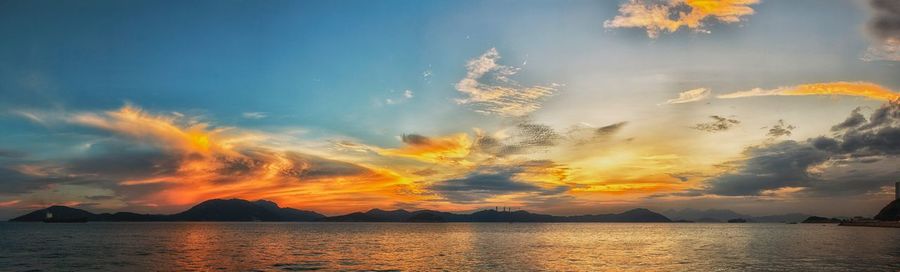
x,y
240,210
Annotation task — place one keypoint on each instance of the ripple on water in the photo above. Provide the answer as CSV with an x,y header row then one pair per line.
x,y
302,266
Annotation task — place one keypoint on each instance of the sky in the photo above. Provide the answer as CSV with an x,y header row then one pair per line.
x,y
562,107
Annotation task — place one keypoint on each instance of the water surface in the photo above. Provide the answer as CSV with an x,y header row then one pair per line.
x,y
452,246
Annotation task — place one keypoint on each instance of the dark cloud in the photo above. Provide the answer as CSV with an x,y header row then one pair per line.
x,y
125,163
490,181
885,23
779,165
610,129
415,139
780,129
309,166
861,158
880,135
685,176
854,120
718,124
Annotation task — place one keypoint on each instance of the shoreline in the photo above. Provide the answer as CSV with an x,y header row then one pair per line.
x,y
871,224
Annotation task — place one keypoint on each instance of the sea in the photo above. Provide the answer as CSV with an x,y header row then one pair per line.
x,y
260,246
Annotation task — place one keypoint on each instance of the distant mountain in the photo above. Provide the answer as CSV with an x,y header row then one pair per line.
x,y
723,215
781,218
710,215
58,213
210,210
243,210
376,215
262,210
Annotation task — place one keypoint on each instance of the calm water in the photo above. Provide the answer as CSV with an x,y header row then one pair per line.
x,y
456,246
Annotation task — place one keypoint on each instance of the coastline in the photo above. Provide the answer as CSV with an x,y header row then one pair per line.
x,y
892,224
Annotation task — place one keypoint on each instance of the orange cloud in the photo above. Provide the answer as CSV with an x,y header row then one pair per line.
x,y
9,203
231,163
448,149
164,131
859,88
667,16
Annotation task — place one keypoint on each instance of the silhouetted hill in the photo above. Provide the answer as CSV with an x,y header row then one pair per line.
x,y
709,215
723,215
376,215
262,210
426,217
59,213
243,210
130,217
891,212
210,210
355,217
820,220
395,215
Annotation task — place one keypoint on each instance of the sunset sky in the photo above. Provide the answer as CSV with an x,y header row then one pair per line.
x,y
562,107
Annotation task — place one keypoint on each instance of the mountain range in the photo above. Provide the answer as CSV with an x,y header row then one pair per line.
x,y
723,215
262,210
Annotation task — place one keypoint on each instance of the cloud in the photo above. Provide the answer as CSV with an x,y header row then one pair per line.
x,y
525,136
718,124
884,28
690,96
780,129
254,115
9,203
490,90
447,149
491,181
843,88
149,159
406,95
607,130
861,158
670,15
780,165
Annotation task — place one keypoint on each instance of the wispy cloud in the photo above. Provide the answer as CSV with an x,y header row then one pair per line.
x,y
690,96
670,15
718,124
254,115
780,129
843,88
406,95
489,88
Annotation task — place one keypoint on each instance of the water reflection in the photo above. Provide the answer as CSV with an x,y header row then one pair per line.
x,y
417,247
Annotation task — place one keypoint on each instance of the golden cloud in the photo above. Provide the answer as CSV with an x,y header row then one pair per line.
x,y
842,88
446,149
668,16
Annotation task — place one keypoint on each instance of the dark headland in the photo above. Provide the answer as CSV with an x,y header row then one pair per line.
x,y
239,210
888,217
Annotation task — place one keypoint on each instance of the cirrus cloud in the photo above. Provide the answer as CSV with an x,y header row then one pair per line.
x,y
490,90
